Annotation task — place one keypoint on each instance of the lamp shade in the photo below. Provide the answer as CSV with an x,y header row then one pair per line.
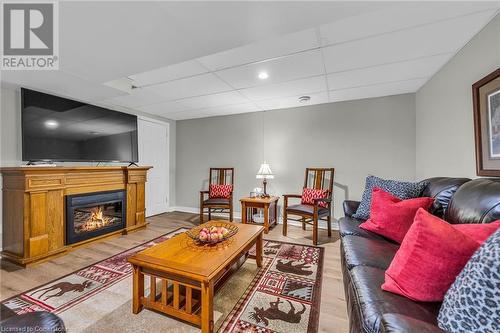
x,y
265,172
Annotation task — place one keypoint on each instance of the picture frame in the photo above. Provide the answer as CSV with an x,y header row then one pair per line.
x,y
486,108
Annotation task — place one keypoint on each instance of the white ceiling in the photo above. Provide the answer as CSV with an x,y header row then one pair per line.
x,y
202,59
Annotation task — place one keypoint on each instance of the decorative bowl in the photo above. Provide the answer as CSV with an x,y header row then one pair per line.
x,y
214,233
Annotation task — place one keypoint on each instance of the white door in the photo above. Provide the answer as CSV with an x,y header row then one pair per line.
x,y
153,151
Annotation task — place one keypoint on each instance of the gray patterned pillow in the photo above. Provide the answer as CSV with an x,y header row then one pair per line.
x,y
403,190
472,304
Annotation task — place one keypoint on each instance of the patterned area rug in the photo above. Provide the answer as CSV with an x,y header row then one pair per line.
x,y
61,294
283,296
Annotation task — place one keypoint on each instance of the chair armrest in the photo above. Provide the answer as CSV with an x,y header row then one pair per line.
x,y
350,207
292,195
397,323
286,196
202,196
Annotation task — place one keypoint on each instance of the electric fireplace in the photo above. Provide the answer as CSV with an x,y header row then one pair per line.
x,y
94,214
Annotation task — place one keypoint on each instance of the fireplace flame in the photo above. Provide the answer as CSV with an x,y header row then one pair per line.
x,y
97,220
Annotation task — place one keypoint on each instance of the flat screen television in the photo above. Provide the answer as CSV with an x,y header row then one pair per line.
x,y
60,129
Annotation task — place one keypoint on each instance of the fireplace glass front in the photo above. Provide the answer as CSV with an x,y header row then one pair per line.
x,y
94,214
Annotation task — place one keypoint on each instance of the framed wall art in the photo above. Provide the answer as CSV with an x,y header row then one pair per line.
x,y
486,105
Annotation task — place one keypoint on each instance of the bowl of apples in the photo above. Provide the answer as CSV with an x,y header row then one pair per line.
x,y
213,233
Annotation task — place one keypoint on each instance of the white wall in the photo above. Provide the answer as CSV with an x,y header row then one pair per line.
x,y
370,136
10,137
445,123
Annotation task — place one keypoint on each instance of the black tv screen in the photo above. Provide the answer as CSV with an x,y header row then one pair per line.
x,y
60,129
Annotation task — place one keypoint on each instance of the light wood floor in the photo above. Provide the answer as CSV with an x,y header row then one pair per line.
x,y
333,315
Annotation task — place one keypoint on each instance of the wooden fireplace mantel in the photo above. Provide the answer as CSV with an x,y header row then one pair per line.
x,y
34,206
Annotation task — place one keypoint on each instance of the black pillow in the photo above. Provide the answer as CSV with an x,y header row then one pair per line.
x,y
403,190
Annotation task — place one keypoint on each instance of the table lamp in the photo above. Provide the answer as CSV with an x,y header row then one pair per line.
x,y
264,173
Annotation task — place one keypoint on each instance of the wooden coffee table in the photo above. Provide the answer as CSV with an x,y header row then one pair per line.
x,y
188,273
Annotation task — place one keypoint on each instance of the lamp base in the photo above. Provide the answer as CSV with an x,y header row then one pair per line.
x,y
264,183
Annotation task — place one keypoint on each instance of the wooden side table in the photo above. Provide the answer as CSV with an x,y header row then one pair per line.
x,y
269,205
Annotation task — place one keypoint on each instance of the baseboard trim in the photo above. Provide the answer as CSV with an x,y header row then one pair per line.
x,y
237,215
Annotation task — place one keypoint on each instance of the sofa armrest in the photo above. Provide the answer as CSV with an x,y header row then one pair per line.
x,y
350,207
38,321
397,323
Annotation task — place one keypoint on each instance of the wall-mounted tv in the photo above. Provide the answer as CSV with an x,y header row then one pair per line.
x,y
60,129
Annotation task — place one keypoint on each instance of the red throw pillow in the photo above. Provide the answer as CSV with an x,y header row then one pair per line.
x,y
392,217
220,191
309,194
478,232
431,256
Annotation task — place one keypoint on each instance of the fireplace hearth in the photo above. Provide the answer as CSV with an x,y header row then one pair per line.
x,y
94,214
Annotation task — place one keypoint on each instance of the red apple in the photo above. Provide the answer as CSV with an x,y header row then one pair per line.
x,y
214,237
203,236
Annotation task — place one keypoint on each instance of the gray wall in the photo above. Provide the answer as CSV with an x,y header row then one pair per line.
x,y
445,130
370,136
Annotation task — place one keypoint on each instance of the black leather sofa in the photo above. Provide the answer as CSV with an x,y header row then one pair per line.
x,y
366,256
38,321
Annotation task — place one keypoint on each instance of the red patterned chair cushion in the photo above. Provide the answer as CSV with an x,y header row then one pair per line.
x,y
220,191
309,194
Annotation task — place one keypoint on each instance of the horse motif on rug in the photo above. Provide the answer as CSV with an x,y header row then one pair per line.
x,y
63,287
274,313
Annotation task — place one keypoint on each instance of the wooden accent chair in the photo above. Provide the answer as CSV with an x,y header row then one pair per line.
x,y
317,178
221,176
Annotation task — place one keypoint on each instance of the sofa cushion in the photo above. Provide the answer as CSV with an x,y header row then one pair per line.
x,y
350,226
442,190
431,256
403,190
472,304
396,323
306,209
390,216
372,302
477,201
360,251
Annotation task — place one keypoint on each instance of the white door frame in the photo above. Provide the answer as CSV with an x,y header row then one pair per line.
x,y
167,126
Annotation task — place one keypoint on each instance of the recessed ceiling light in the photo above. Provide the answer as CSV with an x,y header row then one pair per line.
x,y
304,99
263,75
51,124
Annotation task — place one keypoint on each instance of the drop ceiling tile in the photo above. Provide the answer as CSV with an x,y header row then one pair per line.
x,y
163,108
299,65
443,37
138,97
168,73
424,67
59,83
226,98
286,89
189,87
377,90
291,102
266,49
215,111
402,16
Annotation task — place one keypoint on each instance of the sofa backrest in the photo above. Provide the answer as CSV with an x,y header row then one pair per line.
x,y
476,201
442,190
